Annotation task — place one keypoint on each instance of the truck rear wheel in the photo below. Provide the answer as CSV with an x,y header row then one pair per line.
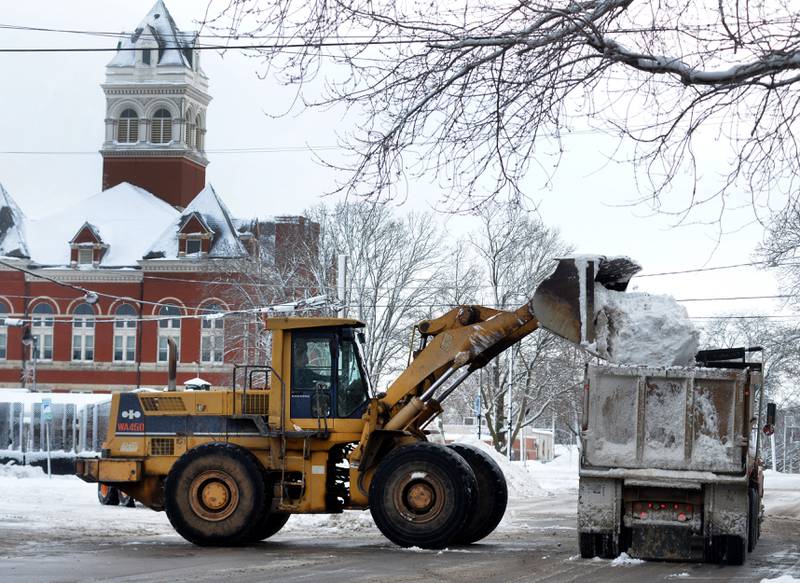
x,y
491,498
214,495
735,550
755,522
421,495
586,545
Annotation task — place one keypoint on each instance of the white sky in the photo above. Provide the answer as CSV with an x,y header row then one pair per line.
x,y
53,102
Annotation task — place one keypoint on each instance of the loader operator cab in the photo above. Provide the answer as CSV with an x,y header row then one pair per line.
x,y
328,376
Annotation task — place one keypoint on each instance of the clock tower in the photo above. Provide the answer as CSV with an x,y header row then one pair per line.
x,y
156,102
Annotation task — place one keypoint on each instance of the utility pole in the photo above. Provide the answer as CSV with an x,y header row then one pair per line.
x,y
509,435
341,283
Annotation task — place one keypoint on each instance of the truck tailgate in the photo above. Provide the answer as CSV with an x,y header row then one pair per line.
x,y
665,418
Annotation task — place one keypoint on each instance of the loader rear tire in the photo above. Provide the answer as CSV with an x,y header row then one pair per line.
x,y
269,524
107,495
422,495
215,495
491,498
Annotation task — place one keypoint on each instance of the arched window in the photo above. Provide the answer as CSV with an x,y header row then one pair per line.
x,y
161,127
128,127
83,333
212,335
3,331
125,333
198,132
42,331
189,130
169,326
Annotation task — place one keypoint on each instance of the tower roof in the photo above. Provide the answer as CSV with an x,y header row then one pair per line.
x,y
157,30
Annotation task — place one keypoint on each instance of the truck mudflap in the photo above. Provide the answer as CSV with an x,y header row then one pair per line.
x,y
108,470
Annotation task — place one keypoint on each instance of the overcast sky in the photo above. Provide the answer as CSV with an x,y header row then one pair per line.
x,y
54,103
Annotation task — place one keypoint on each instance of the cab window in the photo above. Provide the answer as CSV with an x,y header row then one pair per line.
x,y
352,388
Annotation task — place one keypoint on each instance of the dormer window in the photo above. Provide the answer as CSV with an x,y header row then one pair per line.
x,y
195,236
87,247
194,245
146,56
85,256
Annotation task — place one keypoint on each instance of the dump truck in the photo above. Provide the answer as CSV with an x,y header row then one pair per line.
x,y
670,463
230,466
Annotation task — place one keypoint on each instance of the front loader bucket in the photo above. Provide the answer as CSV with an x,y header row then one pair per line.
x,y
564,302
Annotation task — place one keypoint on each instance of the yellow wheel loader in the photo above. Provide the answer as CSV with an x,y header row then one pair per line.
x,y
306,434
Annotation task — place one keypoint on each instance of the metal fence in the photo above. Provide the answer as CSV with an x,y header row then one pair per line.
x,y
73,429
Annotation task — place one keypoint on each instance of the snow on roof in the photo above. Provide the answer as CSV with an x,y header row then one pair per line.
x,y
196,381
12,227
216,215
124,214
174,46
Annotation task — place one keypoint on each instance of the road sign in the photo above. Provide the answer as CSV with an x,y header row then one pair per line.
x,y
477,405
47,411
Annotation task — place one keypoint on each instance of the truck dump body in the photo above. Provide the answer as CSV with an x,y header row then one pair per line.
x,y
666,418
668,468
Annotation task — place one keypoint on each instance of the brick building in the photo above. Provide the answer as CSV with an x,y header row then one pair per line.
x,y
147,243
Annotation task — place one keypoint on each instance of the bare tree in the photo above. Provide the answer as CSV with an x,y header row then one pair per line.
x,y
395,269
479,93
781,365
780,248
516,252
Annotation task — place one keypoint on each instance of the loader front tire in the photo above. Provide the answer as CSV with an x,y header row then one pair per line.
x,y
421,495
215,495
492,495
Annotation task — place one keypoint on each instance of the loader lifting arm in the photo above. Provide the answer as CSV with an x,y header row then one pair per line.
x,y
467,338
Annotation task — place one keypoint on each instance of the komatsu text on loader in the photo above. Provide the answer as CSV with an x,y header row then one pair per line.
x,y
230,466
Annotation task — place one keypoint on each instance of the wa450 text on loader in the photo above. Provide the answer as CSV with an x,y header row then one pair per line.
x,y
230,466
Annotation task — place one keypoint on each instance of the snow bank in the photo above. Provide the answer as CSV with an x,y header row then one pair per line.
x,y
781,579
12,470
521,484
644,329
780,498
625,559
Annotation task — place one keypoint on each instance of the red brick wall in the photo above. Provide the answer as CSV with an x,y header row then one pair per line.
x,y
103,374
174,180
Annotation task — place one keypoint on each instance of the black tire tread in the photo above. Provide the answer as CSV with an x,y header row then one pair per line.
x,y
491,497
253,472
268,525
458,473
586,545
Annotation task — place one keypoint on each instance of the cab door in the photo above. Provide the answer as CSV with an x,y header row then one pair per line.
x,y
312,375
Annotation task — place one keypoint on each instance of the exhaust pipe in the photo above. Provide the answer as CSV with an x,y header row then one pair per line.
x,y
172,358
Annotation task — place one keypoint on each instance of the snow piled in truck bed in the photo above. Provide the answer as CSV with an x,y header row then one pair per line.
x,y
643,329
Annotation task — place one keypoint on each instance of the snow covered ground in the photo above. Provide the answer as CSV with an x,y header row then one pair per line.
x,y
29,498
42,512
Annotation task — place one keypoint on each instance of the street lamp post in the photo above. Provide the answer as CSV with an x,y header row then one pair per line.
x,y
31,340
